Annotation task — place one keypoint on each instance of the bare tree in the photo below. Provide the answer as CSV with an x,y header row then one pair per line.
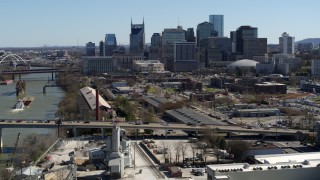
x,y
164,145
194,150
203,147
170,149
177,149
183,148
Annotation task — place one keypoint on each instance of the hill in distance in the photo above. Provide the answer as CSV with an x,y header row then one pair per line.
x,y
309,40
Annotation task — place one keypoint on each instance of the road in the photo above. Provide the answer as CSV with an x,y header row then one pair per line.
x,y
125,125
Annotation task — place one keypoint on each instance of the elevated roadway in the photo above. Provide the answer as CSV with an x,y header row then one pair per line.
x,y
125,125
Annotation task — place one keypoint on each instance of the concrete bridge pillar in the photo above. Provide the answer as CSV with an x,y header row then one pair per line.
x,y
1,143
103,132
75,132
229,134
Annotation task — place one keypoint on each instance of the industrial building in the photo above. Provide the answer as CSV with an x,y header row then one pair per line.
x,y
310,86
189,116
295,166
270,88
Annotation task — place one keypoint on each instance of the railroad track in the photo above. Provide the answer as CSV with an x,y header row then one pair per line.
x,y
154,168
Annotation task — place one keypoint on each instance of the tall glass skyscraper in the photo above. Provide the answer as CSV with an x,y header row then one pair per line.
x,y
204,30
137,39
218,24
110,44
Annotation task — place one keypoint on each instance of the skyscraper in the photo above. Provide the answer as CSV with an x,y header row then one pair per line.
x,y
156,40
90,49
190,35
204,30
169,37
286,44
218,24
243,32
101,48
137,38
110,44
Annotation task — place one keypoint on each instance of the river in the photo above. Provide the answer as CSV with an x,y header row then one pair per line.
x,y
43,107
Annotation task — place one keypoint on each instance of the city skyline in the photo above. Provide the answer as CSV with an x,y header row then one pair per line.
x,y
68,23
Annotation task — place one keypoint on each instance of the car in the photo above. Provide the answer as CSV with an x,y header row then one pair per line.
x,y
86,122
47,121
18,121
29,121
2,120
145,122
189,165
9,121
189,124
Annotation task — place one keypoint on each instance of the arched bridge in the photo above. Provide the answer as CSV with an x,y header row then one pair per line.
x,y
8,56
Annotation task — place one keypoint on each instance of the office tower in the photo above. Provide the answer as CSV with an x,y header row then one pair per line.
x,y
218,24
286,44
204,30
169,37
190,35
110,44
101,48
254,47
185,57
220,49
155,48
90,49
243,32
184,51
137,39
156,40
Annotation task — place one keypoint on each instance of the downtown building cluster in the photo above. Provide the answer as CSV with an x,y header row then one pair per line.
x,y
190,50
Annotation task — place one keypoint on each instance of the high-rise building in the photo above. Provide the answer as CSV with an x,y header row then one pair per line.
x,y
184,51
219,49
156,40
190,35
110,44
90,49
185,57
137,38
243,32
218,24
101,48
286,44
254,47
204,30
169,37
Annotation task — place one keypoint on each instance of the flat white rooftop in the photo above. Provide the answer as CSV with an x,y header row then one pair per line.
x,y
285,158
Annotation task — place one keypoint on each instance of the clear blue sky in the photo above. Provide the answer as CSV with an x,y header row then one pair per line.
x,y
27,23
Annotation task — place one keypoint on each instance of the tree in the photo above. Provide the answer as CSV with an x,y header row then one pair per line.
x,y
177,149
203,147
194,150
237,148
214,140
183,148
